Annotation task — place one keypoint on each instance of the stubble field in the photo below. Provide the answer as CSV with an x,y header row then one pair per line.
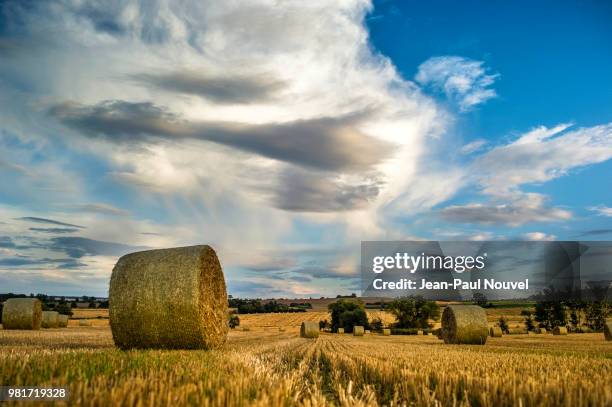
x,y
267,367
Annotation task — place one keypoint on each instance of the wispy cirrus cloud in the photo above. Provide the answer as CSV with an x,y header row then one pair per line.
x,y
602,210
463,80
537,156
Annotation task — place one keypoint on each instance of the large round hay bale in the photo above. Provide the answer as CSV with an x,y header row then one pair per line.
x,y
517,331
309,329
541,330
340,330
50,319
358,330
386,331
608,330
464,324
559,330
170,298
495,332
22,313
62,320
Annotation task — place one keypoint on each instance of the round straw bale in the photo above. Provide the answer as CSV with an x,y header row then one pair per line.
x,y
541,330
608,330
419,332
309,329
517,331
281,329
559,330
367,331
386,331
50,319
464,324
358,330
170,298
340,330
22,313
495,332
84,322
62,320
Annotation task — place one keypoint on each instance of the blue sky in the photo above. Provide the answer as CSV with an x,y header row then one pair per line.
x,y
283,136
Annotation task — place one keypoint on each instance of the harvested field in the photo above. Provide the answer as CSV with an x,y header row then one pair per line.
x,y
280,368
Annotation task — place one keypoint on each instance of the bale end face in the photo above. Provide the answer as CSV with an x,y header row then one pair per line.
x,y
464,324
22,313
169,299
309,329
495,332
386,332
559,330
340,330
358,330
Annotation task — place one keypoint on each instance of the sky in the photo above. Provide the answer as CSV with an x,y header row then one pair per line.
x,y
285,133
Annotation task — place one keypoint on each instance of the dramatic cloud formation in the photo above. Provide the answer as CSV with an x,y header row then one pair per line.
x,y
279,135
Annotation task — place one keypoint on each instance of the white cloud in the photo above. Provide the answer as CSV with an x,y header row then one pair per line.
x,y
602,210
462,79
538,156
538,236
473,146
293,63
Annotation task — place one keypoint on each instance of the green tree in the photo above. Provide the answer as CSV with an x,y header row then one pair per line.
x,y
414,312
64,308
234,321
323,324
503,324
529,322
347,314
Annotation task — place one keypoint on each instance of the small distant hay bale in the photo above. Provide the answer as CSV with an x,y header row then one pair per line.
x,y
517,331
386,331
419,332
367,331
358,330
559,330
169,299
84,322
22,313
608,330
50,319
62,320
429,333
464,324
541,330
309,329
495,332
281,329
340,330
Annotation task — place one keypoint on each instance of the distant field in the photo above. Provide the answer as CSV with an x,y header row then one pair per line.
x,y
256,321
272,368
